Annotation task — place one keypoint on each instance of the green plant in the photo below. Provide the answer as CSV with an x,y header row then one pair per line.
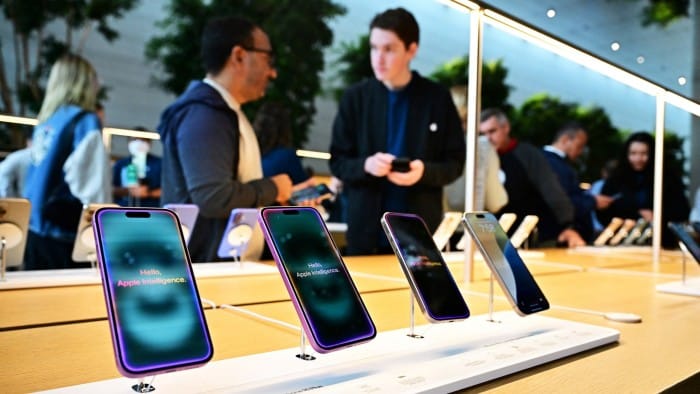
x,y
664,12
353,64
494,90
36,49
539,118
298,31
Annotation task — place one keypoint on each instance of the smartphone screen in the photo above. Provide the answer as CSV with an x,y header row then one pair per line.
x,y
239,230
505,263
324,295
426,270
154,308
311,193
688,237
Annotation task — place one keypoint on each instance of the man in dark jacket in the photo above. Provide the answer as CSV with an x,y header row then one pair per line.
x,y
568,144
398,114
210,153
532,186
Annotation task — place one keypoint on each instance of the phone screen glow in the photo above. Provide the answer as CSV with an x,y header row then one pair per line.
x,y
153,301
324,290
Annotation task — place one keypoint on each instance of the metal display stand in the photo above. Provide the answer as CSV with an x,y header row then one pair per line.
x,y
412,318
684,255
143,387
302,355
10,236
689,286
490,317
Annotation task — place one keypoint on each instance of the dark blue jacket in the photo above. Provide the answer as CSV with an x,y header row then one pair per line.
x,y
583,202
200,137
533,189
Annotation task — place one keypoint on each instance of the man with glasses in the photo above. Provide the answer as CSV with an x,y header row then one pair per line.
x,y
211,156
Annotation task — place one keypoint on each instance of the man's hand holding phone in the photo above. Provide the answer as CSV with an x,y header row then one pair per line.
x,y
379,164
410,178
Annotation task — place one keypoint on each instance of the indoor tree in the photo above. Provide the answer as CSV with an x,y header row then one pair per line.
x,y
298,31
36,48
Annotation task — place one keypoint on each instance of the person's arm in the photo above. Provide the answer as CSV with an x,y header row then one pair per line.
x,y
87,170
208,149
347,163
9,173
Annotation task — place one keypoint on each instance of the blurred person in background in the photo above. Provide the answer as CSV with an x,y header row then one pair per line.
x,y
632,186
136,178
69,164
13,171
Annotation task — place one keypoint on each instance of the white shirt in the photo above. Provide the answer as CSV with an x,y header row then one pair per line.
x,y
249,163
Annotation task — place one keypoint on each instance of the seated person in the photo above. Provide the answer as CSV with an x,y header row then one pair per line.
x,y
632,184
136,178
532,187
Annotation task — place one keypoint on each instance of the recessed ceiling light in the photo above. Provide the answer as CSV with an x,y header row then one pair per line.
x,y
551,13
640,59
682,81
615,46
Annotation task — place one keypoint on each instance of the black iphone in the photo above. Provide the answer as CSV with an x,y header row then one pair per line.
x,y
326,300
401,164
426,271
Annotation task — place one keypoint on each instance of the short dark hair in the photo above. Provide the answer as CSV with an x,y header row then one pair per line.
x,y
400,22
569,129
219,36
489,113
273,127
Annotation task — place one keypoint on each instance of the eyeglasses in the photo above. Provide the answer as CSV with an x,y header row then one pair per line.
x,y
270,54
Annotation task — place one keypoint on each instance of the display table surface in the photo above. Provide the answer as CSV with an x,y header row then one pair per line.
x,y
54,351
446,358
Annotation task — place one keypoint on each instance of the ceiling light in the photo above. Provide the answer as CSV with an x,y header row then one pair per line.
x,y
640,59
615,46
682,81
551,13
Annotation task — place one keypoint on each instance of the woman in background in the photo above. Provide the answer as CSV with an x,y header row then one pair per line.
x,y
69,165
632,185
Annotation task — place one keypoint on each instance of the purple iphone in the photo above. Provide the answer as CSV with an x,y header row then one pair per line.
x,y
329,306
153,305
239,229
187,213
